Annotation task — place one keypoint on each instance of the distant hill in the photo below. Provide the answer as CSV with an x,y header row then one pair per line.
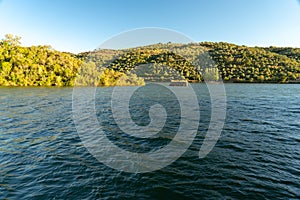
x,y
195,62
234,63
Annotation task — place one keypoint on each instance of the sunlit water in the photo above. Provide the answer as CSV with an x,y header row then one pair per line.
x,y
257,156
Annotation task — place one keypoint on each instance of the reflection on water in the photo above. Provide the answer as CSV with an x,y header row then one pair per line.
x,y
258,155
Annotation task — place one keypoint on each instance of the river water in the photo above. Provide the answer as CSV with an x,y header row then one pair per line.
x,y
257,155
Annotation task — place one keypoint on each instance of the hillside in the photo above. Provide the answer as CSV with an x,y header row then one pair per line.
x,y
195,62
232,63
253,64
44,66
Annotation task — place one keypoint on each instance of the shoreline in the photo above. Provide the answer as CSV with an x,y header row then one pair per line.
x,y
207,82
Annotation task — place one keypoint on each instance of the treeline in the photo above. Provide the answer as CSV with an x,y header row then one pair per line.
x,y
195,62
254,64
44,66
35,65
209,61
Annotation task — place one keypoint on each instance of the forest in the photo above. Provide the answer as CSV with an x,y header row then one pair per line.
x,y
44,66
194,62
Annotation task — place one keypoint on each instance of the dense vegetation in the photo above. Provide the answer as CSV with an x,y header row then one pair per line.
x,y
156,62
44,66
209,61
253,64
35,66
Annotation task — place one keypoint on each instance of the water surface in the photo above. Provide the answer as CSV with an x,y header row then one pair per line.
x,y
257,156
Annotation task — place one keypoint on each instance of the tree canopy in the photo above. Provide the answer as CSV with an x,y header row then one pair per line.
x,y
44,66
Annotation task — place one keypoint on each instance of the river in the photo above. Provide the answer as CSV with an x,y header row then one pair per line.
x,y
257,155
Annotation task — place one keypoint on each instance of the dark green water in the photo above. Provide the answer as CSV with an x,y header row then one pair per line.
x,y
257,156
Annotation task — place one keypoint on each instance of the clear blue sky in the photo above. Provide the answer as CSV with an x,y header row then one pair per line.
x,y
81,25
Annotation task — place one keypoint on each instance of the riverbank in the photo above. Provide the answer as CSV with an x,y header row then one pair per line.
x,y
195,62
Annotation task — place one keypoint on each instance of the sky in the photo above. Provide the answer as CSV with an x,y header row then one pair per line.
x,y
83,25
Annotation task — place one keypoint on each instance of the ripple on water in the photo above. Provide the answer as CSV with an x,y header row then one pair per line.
x,y
257,156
